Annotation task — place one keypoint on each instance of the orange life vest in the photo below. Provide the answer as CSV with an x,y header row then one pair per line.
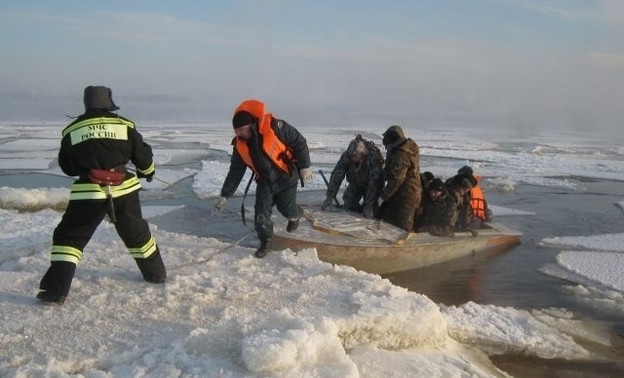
x,y
477,201
274,148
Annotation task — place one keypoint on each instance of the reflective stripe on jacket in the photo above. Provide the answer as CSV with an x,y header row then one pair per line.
x,y
91,191
99,139
98,128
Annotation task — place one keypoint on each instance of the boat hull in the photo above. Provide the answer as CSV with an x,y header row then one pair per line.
x,y
392,253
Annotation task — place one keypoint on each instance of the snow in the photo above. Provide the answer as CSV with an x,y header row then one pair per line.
x,y
222,310
604,268
224,313
595,262
506,330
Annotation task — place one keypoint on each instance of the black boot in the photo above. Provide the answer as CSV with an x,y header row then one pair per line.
x,y
152,268
265,247
54,285
292,225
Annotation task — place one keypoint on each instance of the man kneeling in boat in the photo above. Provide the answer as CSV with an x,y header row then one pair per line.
x,y
440,209
473,211
362,165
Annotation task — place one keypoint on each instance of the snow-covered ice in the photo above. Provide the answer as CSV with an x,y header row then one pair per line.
x,y
223,312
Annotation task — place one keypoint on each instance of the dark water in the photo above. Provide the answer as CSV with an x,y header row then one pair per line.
x,y
507,278
511,278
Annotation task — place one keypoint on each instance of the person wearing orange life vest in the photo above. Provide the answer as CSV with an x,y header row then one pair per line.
x,y
278,155
476,211
96,147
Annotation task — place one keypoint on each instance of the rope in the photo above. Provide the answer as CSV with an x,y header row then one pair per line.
x,y
202,261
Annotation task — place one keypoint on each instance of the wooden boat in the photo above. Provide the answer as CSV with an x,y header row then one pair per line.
x,y
374,246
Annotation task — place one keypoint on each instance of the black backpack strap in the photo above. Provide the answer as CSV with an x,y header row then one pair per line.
x,y
253,176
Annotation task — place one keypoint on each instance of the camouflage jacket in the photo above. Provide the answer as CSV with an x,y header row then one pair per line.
x,y
367,176
402,170
440,216
402,193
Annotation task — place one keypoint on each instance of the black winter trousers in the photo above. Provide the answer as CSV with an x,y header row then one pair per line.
x,y
79,222
267,195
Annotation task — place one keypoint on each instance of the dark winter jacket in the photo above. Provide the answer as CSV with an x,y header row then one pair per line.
x,y
99,139
465,214
402,192
269,173
440,215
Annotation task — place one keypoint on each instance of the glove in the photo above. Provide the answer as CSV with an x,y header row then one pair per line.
x,y
368,212
326,203
306,174
148,178
220,203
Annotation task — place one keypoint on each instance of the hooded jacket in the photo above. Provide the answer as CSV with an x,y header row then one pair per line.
x,y
402,168
275,153
273,148
402,193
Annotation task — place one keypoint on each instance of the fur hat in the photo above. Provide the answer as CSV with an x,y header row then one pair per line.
x,y
437,184
242,118
428,176
393,134
99,97
465,170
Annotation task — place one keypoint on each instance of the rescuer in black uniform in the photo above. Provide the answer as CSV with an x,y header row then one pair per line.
x,y
96,147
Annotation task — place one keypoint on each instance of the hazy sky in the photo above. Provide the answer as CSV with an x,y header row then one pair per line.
x,y
498,63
